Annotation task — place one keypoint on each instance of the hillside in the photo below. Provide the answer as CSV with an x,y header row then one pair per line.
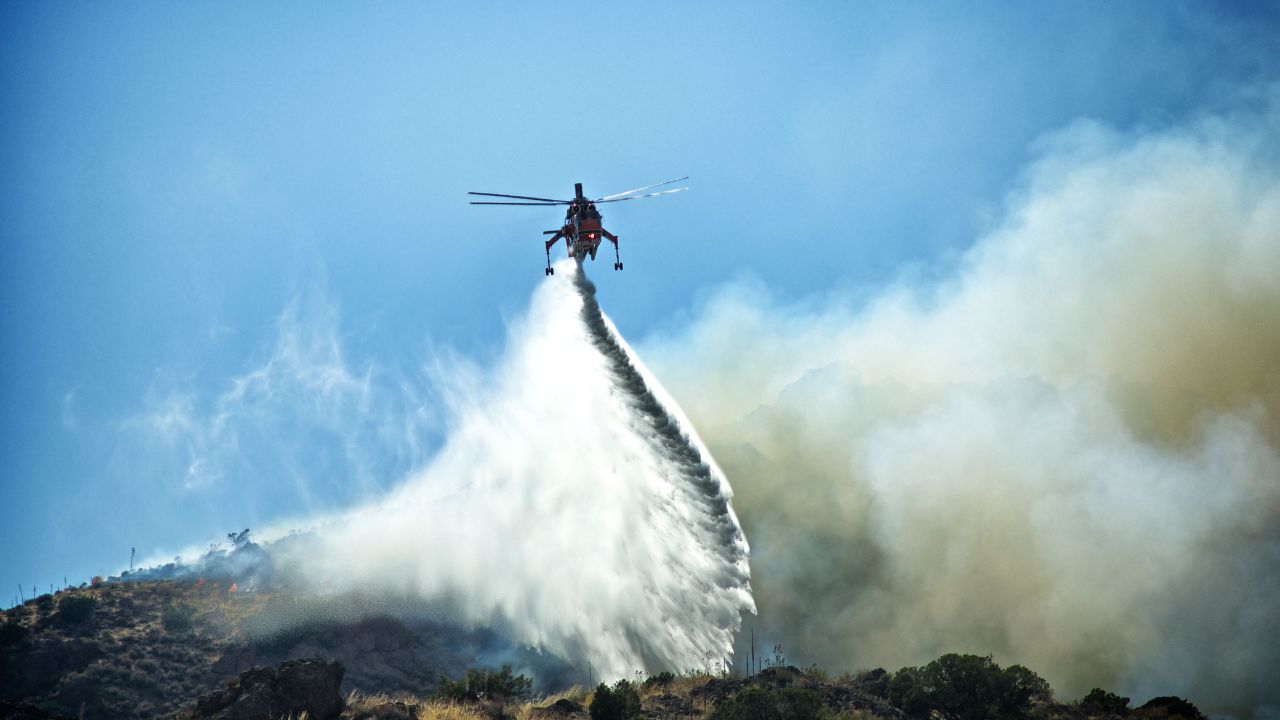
x,y
148,649
151,648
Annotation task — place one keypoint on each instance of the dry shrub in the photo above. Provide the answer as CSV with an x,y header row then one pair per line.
x,y
358,702
577,694
445,710
684,685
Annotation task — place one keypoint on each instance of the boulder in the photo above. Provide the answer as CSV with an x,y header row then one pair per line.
x,y
560,710
311,685
668,707
300,686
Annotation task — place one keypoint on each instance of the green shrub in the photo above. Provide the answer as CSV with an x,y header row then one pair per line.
x,y
12,633
178,616
447,689
780,676
816,673
800,704
662,679
873,682
1102,702
140,680
76,609
621,702
766,704
480,684
750,704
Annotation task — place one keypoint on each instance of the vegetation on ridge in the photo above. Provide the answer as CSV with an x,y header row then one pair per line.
x,y
149,649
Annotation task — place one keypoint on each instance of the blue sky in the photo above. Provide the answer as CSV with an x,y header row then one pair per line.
x,y
188,187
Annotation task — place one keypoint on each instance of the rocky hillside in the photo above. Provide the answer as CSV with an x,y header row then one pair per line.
x,y
224,641
148,649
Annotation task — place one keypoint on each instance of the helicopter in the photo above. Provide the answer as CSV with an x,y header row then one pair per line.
x,y
583,229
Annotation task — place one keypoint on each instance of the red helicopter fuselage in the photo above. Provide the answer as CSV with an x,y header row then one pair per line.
x,y
583,227
582,231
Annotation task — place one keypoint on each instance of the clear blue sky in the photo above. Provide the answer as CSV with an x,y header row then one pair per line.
x,y
176,175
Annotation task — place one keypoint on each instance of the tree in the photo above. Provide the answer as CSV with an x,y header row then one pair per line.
x,y
959,687
1102,702
906,691
1021,687
967,687
875,682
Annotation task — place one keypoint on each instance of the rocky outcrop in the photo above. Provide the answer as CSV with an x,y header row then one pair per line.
x,y
669,707
299,686
1168,708
561,709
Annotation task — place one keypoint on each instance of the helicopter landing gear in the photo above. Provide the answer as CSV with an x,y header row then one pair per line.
x,y
549,271
617,266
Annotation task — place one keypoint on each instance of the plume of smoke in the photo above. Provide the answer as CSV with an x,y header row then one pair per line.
x,y
571,505
1066,454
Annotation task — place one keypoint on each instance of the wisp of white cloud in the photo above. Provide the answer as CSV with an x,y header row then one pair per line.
x,y
305,427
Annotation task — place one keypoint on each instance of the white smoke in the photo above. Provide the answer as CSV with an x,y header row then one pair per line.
x,y
571,506
1067,453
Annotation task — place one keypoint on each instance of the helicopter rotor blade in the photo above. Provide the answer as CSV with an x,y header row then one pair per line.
x,y
607,198
637,197
522,197
473,202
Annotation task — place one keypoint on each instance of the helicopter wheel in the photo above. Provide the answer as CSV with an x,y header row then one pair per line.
x,y
550,271
617,266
